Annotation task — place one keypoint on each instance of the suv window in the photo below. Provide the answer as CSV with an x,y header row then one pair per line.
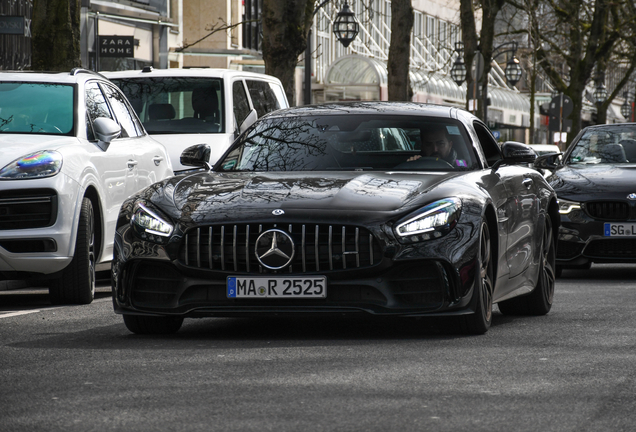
x,y
36,108
96,107
126,119
176,105
241,105
263,96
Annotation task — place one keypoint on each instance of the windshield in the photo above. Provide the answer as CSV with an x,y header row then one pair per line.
x,y
352,142
36,108
606,145
169,105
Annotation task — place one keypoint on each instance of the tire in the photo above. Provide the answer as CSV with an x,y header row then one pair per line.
x,y
479,322
152,324
539,301
76,285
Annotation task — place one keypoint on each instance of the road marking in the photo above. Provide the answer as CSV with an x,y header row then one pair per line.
x,y
26,312
12,314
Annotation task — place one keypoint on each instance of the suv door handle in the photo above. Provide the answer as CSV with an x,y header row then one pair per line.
x,y
132,163
157,160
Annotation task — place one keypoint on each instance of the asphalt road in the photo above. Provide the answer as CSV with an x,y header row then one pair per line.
x,y
77,368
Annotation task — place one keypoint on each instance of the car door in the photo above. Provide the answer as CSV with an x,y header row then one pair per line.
x,y
148,159
519,212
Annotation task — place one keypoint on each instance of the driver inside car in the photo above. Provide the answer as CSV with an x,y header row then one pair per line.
x,y
436,143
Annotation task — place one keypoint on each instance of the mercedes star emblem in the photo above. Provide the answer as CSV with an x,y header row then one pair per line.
x,y
274,249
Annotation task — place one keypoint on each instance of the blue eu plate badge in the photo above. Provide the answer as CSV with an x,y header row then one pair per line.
x,y
607,229
231,287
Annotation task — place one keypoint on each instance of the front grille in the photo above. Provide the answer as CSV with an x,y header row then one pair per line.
x,y
23,209
567,250
318,247
608,210
612,248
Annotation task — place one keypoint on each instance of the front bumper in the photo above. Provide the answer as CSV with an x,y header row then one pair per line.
x,y
582,241
149,279
25,251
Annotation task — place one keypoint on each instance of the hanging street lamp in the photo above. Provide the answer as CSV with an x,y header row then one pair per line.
x,y
458,71
513,71
600,93
346,26
626,108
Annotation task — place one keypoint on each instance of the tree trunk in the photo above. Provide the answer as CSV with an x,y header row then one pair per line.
x,y
55,35
399,84
285,27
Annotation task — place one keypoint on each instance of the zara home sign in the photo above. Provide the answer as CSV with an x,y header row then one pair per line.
x,y
116,46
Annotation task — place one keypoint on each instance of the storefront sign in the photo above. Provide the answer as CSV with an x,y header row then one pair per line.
x,y
17,25
116,46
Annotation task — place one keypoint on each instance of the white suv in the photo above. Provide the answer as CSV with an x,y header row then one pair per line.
x,y
183,107
71,151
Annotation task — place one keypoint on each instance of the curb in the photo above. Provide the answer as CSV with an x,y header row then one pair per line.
x,y
13,284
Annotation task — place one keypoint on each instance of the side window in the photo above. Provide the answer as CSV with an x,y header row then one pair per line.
x,y
125,116
263,97
96,107
488,144
241,105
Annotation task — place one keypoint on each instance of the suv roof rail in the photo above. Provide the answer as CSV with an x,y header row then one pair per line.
x,y
147,69
78,70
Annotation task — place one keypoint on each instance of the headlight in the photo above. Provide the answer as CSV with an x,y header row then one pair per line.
x,y
45,163
149,225
433,221
566,206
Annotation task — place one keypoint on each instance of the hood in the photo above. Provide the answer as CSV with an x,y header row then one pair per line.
x,y
15,146
208,196
591,182
176,143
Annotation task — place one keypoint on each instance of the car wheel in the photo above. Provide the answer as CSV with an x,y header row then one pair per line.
x,y
539,301
479,322
152,324
76,285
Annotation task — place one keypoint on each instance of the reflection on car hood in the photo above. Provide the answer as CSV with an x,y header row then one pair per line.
x,y
15,146
585,182
206,193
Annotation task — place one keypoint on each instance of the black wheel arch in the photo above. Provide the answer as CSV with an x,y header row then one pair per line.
x,y
92,194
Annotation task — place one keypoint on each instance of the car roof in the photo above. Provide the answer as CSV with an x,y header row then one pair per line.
x,y
191,72
372,107
72,77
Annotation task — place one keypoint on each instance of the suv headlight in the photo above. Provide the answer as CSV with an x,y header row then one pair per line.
x,y
433,221
42,164
565,206
150,225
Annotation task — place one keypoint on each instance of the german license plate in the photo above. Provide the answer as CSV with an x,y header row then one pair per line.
x,y
277,287
619,230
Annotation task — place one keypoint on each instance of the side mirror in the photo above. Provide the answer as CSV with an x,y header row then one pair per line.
x,y
197,156
249,120
517,153
106,130
548,161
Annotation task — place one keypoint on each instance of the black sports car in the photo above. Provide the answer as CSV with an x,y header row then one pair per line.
x,y
596,186
384,208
